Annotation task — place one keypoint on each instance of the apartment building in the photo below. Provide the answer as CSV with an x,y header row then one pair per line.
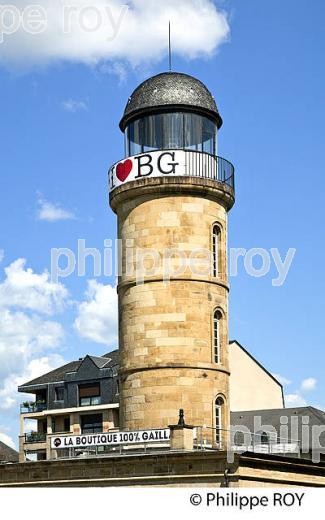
x,y
78,398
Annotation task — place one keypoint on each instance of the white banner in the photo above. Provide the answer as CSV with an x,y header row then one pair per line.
x,y
151,164
166,163
110,439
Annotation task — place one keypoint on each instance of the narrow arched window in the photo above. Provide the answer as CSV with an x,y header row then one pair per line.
x,y
219,402
216,234
217,336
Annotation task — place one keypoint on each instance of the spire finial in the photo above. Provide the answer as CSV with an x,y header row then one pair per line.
x,y
170,46
181,420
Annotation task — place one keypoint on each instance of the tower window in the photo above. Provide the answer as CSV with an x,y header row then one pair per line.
x,y
217,336
219,402
216,234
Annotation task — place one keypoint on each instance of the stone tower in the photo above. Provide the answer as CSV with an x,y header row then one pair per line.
x,y
171,195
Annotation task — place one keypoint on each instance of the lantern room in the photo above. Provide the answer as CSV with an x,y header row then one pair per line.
x,y
171,111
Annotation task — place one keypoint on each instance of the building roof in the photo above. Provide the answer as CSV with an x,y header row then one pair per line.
x,y
281,418
58,375
8,454
114,357
173,90
55,376
100,362
271,416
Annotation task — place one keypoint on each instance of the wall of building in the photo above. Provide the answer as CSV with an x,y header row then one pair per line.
x,y
251,387
110,420
197,469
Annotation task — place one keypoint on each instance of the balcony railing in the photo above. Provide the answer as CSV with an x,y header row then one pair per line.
x,y
35,437
188,163
198,164
90,401
208,438
32,407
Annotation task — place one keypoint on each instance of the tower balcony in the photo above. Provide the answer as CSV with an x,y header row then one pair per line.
x,y
162,167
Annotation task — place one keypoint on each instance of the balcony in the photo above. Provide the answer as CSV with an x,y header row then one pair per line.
x,y
33,407
172,163
35,437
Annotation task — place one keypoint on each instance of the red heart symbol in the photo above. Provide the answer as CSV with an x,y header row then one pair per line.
x,y
123,170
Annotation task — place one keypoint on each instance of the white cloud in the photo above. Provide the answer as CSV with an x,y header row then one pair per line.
x,y
308,384
30,425
27,290
297,398
101,30
26,338
283,380
72,105
2,255
37,367
97,315
52,212
22,338
294,400
117,68
9,396
7,440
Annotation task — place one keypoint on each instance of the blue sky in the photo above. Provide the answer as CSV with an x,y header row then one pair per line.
x,y
59,134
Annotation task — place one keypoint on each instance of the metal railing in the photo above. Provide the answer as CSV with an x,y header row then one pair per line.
x,y
35,437
208,438
204,439
203,164
32,407
90,401
120,449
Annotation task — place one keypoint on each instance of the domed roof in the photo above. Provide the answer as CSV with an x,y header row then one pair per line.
x,y
171,89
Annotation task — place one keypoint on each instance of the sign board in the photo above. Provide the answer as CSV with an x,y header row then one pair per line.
x,y
163,163
110,439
